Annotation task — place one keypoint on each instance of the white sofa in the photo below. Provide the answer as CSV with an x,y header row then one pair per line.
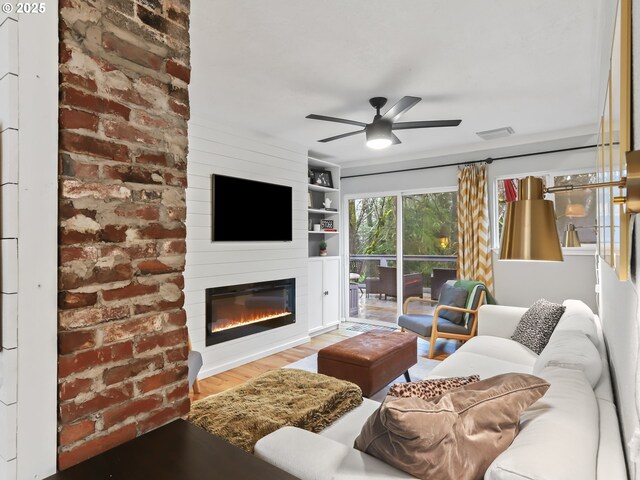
x,y
571,433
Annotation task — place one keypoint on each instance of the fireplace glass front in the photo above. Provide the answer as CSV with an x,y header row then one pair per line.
x,y
239,310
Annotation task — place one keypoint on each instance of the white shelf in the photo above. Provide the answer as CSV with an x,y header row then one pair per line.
x,y
319,188
323,232
323,211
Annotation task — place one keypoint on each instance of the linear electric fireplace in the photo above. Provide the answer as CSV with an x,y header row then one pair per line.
x,y
240,310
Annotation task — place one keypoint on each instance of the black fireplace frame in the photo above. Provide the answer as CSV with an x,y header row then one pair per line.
x,y
214,338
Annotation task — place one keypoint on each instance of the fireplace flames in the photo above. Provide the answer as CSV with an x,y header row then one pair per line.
x,y
227,324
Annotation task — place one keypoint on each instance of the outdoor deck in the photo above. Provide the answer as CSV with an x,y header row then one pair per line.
x,y
376,307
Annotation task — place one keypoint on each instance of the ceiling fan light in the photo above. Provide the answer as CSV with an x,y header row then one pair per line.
x,y
378,135
378,143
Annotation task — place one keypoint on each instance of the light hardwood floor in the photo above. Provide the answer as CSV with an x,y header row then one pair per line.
x,y
225,380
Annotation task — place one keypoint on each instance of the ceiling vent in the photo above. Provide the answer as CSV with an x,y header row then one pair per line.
x,y
495,133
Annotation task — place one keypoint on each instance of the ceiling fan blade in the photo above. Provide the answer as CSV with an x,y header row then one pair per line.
x,y
338,137
404,104
395,140
313,116
425,124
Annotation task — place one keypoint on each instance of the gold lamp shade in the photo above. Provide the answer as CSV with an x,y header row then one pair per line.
x,y
529,231
571,238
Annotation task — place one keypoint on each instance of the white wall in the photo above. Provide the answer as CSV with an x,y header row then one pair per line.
x,y
619,309
212,150
9,234
28,377
516,283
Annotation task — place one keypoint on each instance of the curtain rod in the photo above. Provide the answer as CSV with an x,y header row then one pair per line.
x,y
472,162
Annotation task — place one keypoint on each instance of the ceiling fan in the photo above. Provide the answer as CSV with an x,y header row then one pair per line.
x,y
379,131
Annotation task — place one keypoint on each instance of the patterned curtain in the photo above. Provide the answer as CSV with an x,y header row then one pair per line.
x,y
474,249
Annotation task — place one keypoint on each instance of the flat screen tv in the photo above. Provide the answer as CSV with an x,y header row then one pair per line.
x,y
249,211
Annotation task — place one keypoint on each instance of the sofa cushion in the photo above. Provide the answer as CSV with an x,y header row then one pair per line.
x,y
309,456
427,389
422,324
537,324
579,316
571,349
453,436
500,349
559,434
454,297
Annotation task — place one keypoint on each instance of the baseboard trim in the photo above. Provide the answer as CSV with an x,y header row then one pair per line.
x,y
251,358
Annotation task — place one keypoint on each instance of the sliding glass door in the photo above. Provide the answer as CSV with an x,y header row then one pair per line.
x,y
419,228
372,258
429,245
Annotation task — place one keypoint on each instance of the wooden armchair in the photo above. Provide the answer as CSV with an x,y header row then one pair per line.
x,y
431,327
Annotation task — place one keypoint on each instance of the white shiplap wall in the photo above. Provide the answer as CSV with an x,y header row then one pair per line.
x,y
9,235
215,149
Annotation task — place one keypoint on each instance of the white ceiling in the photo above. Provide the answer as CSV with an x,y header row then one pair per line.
x,y
262,65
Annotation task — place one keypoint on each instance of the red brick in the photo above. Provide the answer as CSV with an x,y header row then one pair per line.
x,y
178,16
121,272
96,446
69,390
69,342
175,180
121,413
73,142
153,20
87,317
78,362
178,70
118,331
162,340
161,417
76,431
162,379
93,103
143,250
67,300
130,52
72,119
159,231
179,108
131,290
178,319
156,266
124,131
173,247
73,189
70,254
108,397
177,355
177,280
73,237
130,96
147,120
132,174
164,416
152,159
181,392
78,169
160,306
78,81
143,212
114,233
132,369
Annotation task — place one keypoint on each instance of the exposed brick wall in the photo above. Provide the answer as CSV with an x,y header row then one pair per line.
x,y
124,105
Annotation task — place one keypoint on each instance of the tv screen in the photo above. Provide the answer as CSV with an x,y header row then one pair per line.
x,y
249,211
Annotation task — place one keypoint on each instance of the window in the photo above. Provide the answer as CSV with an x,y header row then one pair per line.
x,y
577,207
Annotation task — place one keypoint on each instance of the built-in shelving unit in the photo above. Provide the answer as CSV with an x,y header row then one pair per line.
x,y
324,272
318,195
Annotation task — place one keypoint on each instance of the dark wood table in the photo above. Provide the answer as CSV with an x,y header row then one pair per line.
x,y
177,451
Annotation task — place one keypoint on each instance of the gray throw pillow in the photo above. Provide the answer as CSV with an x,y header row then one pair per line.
x,y
537,324
455,297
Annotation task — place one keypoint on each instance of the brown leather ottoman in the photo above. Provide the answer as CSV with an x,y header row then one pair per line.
x,y
370,360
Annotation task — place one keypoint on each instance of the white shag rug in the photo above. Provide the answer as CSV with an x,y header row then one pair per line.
x,y
419,371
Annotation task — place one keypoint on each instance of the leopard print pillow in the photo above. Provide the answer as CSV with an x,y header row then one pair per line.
x,y
426,389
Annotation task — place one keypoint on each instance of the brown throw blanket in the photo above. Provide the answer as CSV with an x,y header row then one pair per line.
x,y
284,397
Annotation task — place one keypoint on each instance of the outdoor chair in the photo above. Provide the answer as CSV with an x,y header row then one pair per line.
x,y
386,285
432,327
